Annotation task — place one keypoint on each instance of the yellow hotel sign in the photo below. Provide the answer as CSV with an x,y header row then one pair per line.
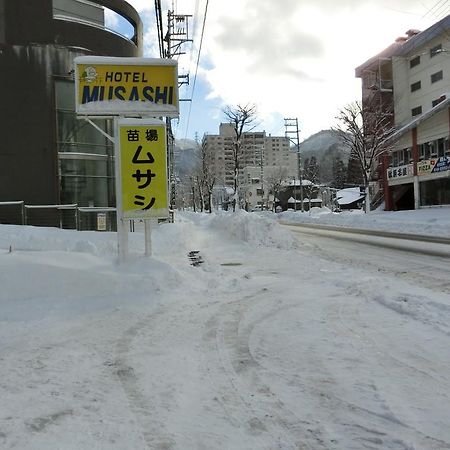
x,y
143,168
121,86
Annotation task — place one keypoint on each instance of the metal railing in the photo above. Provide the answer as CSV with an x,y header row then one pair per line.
x,y
70,217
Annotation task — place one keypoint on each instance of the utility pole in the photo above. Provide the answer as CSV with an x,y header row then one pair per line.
x,y
177,35
291,126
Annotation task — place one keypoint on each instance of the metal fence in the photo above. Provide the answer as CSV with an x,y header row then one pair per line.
x,y
70,217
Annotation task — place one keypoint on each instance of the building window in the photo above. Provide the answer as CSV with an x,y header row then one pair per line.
x,y
394,159
433,148
414,62
435,50
437,76
441,147
416,111
86,164
416,86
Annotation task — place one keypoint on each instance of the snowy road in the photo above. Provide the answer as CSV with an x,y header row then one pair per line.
x,y
286,346
421,262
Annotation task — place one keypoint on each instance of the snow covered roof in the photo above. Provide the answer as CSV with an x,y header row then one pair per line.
x,y
296,182
348,195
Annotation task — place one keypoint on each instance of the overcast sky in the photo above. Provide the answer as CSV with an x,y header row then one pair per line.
x,y
292,58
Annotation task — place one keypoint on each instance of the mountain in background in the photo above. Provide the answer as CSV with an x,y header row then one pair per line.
x,y
185,155
326,146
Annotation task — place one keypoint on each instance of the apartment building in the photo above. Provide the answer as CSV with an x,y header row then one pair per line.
x,y
411,80
263,155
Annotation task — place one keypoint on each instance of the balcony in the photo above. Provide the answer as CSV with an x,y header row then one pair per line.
x,y
381,85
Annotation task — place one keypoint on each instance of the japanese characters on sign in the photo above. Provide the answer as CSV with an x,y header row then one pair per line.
x,y
143,169
400,172
118,86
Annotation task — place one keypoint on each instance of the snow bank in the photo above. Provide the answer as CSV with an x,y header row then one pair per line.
x,y
427,221
254,229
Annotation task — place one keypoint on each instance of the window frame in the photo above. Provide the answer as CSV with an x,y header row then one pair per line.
x,y
417,111
414,62
416,86
435,50
434,76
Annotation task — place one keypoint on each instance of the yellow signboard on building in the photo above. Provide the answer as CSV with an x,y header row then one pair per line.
x,y
121,86
143,169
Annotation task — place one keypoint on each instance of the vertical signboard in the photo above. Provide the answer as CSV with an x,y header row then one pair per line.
x,y
143,169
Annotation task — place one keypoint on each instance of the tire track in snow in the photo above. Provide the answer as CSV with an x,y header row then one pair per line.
x,y
153,429
336,316
228,342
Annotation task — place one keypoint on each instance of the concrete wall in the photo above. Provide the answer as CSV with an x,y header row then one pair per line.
x,y
404,76
79,10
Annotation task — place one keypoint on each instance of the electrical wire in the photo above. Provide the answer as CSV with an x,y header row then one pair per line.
x,y
436,5
159,26
441,10
196,67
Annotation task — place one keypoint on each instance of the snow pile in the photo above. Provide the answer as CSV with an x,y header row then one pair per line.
x,y
39,238
255,229
427,221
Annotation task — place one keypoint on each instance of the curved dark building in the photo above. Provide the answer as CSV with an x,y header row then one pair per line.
x,y
47,155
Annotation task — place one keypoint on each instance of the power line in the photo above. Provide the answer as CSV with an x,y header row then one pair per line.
x,y
430,10
194,29
159,26
196,67
441,9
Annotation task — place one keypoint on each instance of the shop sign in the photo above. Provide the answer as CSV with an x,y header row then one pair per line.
x,y
441,164
400,171
435,165
143,168
121,86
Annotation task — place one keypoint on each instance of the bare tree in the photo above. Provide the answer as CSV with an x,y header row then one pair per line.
x,y
365,129
277,177
241,118
208,175
203,178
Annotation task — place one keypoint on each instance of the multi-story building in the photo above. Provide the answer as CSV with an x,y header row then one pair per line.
x,y
263,156
410,79
47,155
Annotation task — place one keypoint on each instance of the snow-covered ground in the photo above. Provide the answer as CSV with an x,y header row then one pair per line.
x,y
266,345
426,221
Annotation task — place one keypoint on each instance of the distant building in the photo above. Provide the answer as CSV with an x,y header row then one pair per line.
x,y
262,157
412,79
47,155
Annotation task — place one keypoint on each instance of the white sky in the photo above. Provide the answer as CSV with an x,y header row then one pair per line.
x,y
290,58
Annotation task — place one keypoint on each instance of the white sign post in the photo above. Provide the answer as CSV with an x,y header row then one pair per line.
x,y
137,87
142,187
